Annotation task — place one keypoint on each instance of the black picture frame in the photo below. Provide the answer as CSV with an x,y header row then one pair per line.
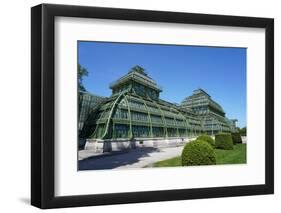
x,y
43,102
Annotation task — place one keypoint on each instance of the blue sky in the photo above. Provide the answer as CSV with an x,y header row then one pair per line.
x,y
178,69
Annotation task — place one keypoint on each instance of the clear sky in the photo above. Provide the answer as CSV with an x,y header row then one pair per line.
x,y
221,72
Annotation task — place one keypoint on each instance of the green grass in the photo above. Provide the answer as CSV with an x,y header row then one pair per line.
x,y
235,156
169,163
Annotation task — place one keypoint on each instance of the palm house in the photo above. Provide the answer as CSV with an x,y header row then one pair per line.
x,y
210,112
135,112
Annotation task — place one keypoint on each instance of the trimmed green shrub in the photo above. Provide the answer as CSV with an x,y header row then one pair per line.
x,y
207,138
223,141
198,152
236,137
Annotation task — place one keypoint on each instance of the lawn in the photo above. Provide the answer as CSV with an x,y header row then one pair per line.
x,y
235,156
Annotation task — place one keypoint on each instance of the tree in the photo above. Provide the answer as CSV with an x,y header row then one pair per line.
x,y
81,73
243,131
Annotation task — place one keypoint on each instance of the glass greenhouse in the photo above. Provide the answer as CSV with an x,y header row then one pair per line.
x,y
135,110
87,102
211,113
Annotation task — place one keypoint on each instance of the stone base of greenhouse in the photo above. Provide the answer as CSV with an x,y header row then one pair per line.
x,y
109,145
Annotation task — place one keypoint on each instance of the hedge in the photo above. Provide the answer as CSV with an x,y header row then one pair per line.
x,y
236,137
223,141
207,138
198,152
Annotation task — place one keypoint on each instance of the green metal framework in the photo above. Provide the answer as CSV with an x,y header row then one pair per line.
x,y
135,110
87,103
211,113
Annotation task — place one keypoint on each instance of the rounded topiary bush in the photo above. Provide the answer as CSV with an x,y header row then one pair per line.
x,y
236,137
198,152
207,138
223,141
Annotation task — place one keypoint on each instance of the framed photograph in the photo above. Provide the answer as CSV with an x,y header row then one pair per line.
x,y
139,106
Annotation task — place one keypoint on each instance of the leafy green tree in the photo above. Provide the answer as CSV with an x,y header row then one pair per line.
x,y
81,73
243,131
